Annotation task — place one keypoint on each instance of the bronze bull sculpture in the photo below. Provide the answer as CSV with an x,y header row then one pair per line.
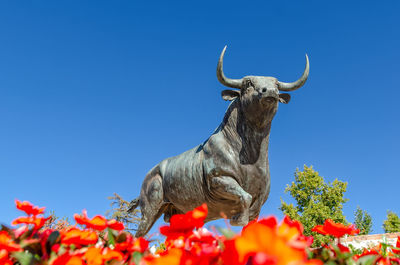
x,y
230,170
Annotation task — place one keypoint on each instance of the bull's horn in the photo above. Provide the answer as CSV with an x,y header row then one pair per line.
x,y
234,83
295,85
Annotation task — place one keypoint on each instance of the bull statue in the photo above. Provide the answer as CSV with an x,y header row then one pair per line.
x,y
230,170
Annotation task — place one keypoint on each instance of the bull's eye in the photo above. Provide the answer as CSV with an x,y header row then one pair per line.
x,y
249,83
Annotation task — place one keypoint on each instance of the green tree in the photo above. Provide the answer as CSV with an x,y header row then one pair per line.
x,y
316,201
363,221
392,223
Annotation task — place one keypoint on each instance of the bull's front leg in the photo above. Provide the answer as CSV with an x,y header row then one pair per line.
x,y
228,188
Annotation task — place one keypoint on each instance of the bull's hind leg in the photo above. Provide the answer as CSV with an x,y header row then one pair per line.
x,y
228,188
151,203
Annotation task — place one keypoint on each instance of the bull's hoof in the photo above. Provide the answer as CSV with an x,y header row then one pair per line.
x,y
240,219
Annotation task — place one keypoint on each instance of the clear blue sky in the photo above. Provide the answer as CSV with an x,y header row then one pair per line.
x,y
95,93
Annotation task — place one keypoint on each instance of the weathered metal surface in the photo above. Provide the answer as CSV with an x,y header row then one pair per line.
x,y
230,170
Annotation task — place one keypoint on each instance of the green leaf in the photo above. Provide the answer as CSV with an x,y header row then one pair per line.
x,y
25,258
310,254
51,240
330,262
137,256
111,238
228,233
350,261
367,260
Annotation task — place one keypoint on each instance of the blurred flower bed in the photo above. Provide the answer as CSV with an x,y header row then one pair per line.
x,y
97,241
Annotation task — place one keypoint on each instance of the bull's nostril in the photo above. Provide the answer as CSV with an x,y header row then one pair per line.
x,y
264,90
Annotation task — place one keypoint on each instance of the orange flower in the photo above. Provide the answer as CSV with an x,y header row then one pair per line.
x,y
7,243
97,256
292,231
78,237
93,256
3,255
183,224
38,222
98,222
172,257
265,242
335,229
28,208
111,254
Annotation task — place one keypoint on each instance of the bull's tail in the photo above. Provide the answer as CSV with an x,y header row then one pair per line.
x,y
133,205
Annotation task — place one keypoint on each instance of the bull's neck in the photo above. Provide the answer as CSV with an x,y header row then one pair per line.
x,y
249,141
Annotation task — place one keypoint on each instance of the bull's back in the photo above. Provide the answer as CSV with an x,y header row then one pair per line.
x,y
183,180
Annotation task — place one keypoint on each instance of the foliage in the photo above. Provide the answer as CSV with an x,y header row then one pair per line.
x,y
392,223
101,241
363,221
316,201
56,223
120,212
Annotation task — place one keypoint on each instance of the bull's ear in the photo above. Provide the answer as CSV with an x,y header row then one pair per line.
x,y
284,98
230,94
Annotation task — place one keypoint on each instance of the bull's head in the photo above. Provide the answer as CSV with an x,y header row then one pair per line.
x,y
258,95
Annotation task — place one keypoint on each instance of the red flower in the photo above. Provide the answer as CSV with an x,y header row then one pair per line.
x,y
38,222
139,244
335,229
343,248
44,236
4,258
202,236
397,251
7,243
132,244
115,225
67,259
78,237
367,252
183,224
382,255
98,222
28,208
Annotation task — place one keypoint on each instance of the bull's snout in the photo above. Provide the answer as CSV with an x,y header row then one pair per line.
x,y
268,93
269,100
